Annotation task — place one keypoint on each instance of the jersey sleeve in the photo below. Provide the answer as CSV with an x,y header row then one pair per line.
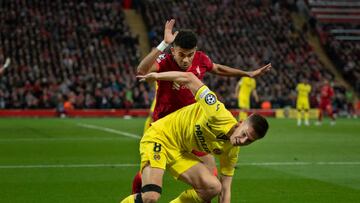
x,y
228,161
219,118
207,62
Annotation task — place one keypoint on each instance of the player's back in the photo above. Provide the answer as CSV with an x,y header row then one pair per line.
x,y
303,90
198,126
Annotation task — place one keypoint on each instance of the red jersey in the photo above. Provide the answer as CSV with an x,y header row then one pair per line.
x,y
168,99
327,93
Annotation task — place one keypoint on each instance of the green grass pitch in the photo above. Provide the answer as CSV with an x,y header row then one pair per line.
x,y
91,160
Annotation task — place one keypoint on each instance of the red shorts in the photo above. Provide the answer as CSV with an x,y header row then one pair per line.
x,y
325,104
198,153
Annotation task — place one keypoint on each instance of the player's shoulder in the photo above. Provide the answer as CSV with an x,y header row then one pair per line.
x,y
202,55
162,57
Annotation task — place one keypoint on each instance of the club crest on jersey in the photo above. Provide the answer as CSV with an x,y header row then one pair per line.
x,y
157,157
210,99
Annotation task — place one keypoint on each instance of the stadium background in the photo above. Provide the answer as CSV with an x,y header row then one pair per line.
x,y
73,57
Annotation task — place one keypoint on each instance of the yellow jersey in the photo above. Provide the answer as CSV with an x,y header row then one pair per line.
x,y
303,90
247,85
201,126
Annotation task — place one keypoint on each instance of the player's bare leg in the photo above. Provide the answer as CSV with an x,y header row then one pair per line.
x,y
210,163
205,185
151,186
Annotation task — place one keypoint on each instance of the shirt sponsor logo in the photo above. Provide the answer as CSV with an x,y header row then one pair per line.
x,y
201,139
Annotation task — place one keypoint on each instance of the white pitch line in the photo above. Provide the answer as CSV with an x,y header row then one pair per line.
x,y
136,165
110,130
55,139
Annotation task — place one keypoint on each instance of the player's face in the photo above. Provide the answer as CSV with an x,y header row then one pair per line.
x,y
183,57
244,134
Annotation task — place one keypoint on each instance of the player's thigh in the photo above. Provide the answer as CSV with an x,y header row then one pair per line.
x,y
244,104
209,161
199,177
152,175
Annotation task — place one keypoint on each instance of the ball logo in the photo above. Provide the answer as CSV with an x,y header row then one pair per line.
x,y
210,99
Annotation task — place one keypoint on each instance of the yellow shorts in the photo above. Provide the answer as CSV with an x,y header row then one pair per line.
x,y
244,104
302,104
159,154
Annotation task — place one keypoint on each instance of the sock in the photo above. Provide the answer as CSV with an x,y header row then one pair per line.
x,y
136,185
298,116
215,172
188,196
307,115
320,115
129,199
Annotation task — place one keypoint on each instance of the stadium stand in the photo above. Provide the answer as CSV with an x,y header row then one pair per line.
x,y
68,51
83,54
246,34
338,24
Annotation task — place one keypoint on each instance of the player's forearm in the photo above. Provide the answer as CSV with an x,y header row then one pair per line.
x,y
147,62
228,71
225,195
187,79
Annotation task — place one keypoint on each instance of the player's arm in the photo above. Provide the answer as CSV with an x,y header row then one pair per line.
x,y
148,63
228,71
237,89
225,194
6,65
255,95
187,79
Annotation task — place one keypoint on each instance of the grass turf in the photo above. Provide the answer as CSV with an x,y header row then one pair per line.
x,y
58,160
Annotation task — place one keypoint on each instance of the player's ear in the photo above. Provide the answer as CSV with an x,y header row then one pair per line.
x,y
172,50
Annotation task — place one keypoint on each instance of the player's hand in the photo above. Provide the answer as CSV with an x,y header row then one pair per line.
x,y
260,71
150,77
169,36
176,86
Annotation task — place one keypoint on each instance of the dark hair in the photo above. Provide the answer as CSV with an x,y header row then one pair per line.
x,y
185,39
259,123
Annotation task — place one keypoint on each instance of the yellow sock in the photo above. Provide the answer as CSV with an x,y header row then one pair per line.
x,y
298,115
307,115
129,199
188,196
242,115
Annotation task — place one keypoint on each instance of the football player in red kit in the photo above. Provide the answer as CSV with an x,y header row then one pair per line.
x,y
184,56
325,105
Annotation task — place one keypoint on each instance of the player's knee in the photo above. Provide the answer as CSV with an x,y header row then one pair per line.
x,y
151,193
150,197
213,188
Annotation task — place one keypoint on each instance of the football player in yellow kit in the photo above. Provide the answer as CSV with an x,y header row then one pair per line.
x,y
302,103
245,87
205,126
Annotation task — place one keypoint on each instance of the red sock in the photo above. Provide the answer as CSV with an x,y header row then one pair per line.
x,y
320,115
136,185
215,172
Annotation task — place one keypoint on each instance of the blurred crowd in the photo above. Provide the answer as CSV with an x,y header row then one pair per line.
x,y
247,34
344,53
77,54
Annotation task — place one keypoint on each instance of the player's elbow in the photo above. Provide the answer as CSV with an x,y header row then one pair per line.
x,y
140,70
